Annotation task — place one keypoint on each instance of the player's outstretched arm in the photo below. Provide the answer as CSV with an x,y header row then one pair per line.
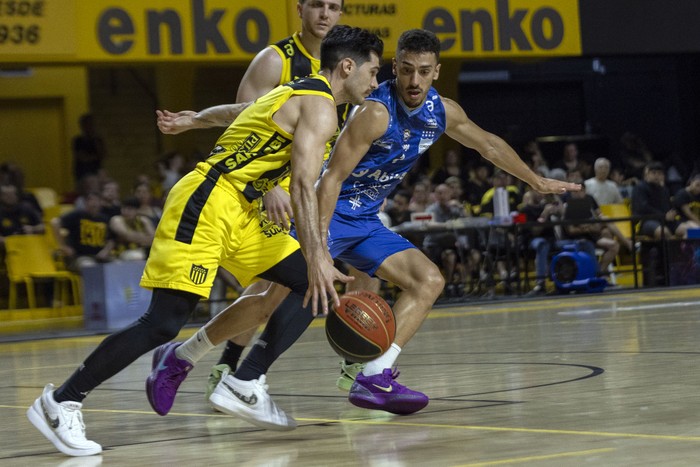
x,y
497,151
261,76
316,124
173,123
367,123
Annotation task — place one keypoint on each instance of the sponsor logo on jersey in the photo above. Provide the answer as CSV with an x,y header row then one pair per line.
x,y
355,202
384,144
269,228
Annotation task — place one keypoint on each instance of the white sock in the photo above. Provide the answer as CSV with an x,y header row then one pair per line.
x,y
387,360
194,348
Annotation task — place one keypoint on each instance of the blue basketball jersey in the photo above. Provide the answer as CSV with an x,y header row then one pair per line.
x,y
409,134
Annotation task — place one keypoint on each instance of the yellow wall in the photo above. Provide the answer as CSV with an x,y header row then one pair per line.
x,y
62,91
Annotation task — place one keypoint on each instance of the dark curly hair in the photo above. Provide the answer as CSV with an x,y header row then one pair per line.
x,y
348,42
417,41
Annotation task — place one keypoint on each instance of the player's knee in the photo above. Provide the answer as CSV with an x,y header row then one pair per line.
x,y
432,280
159,331
167,314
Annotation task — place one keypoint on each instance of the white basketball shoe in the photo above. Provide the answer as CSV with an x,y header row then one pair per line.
x,y
62,424
250,401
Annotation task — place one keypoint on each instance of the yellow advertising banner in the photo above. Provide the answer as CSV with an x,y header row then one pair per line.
x,y
178,30
37,28
477,28
227,30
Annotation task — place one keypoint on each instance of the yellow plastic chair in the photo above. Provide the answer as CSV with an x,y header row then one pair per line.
x,y
613,211
46,196
28,258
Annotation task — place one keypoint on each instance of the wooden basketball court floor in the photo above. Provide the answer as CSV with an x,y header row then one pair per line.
x,y
602,380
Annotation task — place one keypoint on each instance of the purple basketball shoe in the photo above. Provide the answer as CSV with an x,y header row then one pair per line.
x,y
382,392
167,375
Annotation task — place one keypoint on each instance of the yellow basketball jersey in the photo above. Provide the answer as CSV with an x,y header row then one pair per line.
x,y
297,62
254,153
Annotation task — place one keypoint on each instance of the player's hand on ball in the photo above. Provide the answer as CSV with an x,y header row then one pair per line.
x,y
322,278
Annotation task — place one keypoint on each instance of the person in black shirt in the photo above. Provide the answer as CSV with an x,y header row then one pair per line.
x,y
17,217
650,197
83,235
687,203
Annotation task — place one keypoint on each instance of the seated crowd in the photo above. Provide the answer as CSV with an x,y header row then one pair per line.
x,y
97,225
474,260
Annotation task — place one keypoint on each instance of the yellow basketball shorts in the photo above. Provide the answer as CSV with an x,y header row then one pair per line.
x,y
207,223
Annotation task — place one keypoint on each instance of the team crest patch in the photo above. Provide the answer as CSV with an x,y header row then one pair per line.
x,y
198,274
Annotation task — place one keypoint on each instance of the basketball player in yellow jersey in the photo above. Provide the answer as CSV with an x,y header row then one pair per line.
x,y
293,57
210,220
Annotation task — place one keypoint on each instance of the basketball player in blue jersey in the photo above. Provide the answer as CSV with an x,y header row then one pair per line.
x,y
210,220
379,145
381,142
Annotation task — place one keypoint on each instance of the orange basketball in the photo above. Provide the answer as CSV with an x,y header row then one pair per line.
x,y
362,328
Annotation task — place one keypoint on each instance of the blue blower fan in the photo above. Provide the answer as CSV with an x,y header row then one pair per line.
x,y
573,270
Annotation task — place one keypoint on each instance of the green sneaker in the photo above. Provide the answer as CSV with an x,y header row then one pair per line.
x,y
347,375
215,377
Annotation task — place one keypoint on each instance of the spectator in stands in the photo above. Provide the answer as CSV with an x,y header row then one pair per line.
x,y
540,209
88,149
90,183
583,207
456,184
452,166
171,169
604,191
445,248
687,202
585,165
650,197
477,185
111,202
398,210
83,234
499,245
625,185
570,158
17,217
133,232
503,180
147,205
420,198
635,155
558,173
11,173
535,159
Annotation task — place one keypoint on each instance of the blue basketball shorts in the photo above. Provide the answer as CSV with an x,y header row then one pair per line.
x,y
364,243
